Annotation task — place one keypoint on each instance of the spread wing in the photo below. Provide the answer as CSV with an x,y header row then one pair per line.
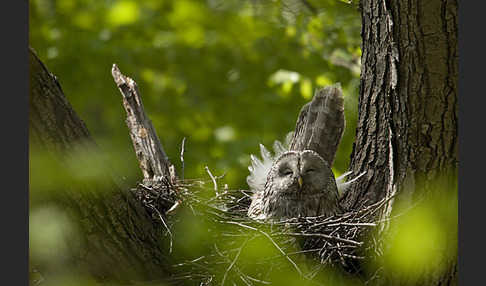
x,y
258,178
320,124
259,169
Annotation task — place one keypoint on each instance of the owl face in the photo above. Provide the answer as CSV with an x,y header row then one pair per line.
x,y
300,173
299,184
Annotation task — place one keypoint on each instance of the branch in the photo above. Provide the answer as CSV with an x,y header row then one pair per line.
x,y
150,154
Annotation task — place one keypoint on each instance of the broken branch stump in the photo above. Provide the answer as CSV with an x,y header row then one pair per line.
x,y
153,161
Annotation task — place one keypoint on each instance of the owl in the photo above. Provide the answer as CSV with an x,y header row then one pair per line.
x,y
299,184
297,181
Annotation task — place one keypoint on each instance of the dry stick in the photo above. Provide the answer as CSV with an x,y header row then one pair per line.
x,y
329,220
234,261
272,241
182,157
241,274
154,192
352,224
401,213
166,227
293,253
323,236
339,252
151,156
371,209
329,255
353,256
256,280
190,261
213,179
323,251
243,279
173,207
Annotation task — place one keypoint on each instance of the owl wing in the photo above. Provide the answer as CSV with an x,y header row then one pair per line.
x,y
255,210
320,124
259,169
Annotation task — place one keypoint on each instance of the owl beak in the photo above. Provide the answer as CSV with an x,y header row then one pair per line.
x,y
299,180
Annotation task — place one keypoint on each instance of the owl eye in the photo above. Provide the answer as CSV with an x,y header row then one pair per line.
x,y
309,170
287,172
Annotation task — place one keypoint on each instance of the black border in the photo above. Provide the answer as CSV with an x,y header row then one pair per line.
x,y
14,160
471,144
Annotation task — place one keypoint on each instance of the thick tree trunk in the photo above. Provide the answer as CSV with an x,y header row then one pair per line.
x,y
407,128
119,240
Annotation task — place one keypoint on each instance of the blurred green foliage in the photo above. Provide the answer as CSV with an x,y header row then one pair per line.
x,y
423,237
227,75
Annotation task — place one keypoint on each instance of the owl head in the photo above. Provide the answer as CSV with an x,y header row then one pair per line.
x,y
299,184
297,173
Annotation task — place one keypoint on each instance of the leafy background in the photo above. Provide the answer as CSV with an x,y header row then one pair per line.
x,y
227,75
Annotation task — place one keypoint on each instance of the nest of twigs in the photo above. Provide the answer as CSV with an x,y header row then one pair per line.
x,y
319,243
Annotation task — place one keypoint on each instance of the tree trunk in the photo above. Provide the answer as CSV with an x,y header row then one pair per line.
x,y
408,96
119,239
406,136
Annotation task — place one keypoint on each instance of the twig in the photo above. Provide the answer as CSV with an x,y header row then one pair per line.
x,y
272,241
173,207
182,156
233,262
213,179
351,224
323,236
352,256
295,253
339,252
281,251
242,278
166,227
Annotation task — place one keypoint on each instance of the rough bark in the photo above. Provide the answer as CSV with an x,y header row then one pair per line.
x,y
408,96
406,135
153,161
119,241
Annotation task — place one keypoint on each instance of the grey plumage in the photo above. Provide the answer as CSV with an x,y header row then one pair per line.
x,y
321,123
284,197
308,153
